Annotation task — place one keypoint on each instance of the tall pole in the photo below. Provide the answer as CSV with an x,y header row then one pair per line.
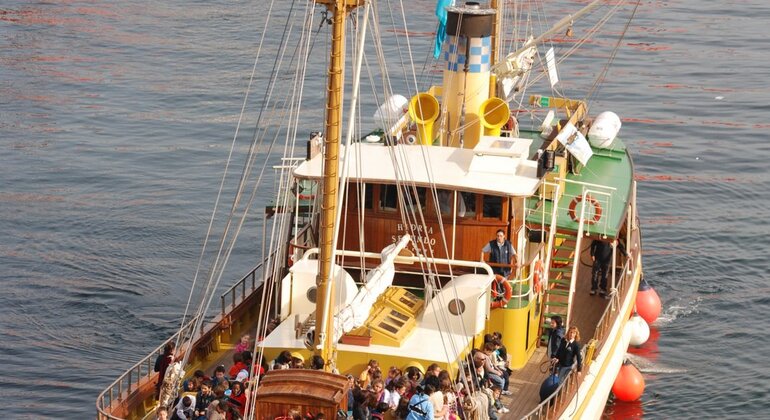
x,y
325,287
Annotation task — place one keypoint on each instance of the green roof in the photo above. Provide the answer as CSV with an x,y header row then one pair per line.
x,y
610,168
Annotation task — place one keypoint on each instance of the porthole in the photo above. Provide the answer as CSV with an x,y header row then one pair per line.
x,y
456,307
311,294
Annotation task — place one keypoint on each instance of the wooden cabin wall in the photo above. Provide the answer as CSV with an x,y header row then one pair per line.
x,y
382,228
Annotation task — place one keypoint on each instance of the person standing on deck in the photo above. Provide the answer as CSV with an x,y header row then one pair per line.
x,y
555,337
161,365
601,254
501,251
569,353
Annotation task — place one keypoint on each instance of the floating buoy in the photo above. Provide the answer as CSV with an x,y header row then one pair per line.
x,y
629,385
647,302
640,331
648,350
549,386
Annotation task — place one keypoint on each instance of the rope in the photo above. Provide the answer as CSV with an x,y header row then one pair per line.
x,y
603,74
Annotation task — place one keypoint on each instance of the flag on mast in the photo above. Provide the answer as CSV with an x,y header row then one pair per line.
x,y
441,13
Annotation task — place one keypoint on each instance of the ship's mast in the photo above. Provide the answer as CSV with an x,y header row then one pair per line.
x,y
339,10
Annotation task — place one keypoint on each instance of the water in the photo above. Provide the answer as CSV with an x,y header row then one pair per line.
x,y
115,123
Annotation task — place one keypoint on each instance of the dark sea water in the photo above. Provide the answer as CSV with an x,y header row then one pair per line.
x,y
116,119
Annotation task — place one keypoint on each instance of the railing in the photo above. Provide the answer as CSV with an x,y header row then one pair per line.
x,y
141,372
600,333
138,374
233,290
550,407
600,190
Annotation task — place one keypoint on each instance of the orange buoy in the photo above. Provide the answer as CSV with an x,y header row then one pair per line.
x,y
647,302
501,298
537,277
629,385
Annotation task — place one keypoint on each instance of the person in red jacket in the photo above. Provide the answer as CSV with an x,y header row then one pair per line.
x,y
238,397
237,366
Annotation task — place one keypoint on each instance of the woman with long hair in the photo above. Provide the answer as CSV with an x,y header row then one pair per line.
x,y
569,353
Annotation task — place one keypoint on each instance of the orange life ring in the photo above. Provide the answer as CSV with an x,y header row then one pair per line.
x,y
537,276
506,296
597,208
290,255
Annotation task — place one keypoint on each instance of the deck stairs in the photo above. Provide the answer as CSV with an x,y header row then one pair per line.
x,y
556,300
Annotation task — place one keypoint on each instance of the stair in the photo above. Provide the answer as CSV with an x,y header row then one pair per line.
x,y
556,300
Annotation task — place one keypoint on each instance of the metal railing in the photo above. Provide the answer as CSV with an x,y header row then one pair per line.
x,y
602,327
551,406
137,375
232,292
142,372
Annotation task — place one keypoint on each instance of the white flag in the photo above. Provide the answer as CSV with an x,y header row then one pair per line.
x,y
550,63
575,143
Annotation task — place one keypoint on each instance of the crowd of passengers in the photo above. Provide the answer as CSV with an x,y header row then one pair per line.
x,y
412,395
374,393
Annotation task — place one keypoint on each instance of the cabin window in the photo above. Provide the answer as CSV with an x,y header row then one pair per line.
x,y
469,202
388,198
355,190
412,195
415,200
456,307
493,207
445,203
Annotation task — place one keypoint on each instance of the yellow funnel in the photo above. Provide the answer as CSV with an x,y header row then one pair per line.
x,y
424,109
494,114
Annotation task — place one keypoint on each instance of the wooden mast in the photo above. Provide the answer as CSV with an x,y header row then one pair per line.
x,y
325,288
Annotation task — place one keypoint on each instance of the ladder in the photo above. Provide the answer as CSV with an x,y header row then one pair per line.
x,y
556,299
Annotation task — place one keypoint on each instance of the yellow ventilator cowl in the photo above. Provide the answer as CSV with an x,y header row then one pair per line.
x,y
424,109
494,114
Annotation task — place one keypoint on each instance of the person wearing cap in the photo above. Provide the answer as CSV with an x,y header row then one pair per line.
x,y
297,361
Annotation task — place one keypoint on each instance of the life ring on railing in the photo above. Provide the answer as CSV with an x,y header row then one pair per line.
x,y
290,255
537,276
499,300
597,208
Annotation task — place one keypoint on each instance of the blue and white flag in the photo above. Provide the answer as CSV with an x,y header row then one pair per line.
x,y
441,13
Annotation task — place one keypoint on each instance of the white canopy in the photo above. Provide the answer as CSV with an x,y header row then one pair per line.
x,y
498,166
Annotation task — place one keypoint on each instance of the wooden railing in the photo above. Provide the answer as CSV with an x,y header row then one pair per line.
x,y
553,405
142,372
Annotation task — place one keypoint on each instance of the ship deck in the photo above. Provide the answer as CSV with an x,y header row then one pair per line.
x,y
525,382
609,174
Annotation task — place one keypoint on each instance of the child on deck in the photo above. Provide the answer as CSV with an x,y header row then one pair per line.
x,y
499,407
243,345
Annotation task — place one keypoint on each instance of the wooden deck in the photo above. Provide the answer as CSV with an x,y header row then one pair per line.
x,y
525,383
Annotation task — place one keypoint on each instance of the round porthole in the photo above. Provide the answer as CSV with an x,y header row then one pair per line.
x,y
456,307
311,294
